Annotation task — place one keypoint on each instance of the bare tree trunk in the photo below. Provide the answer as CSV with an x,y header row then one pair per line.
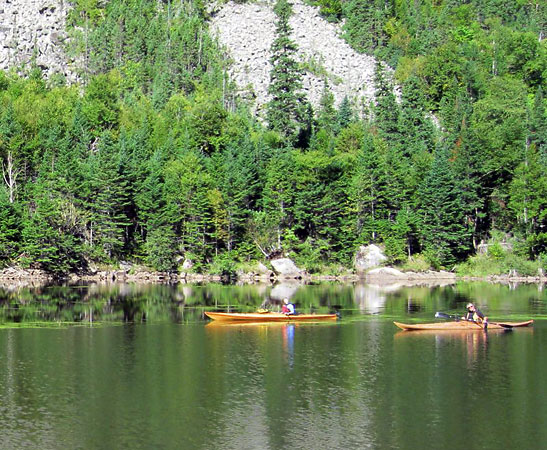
x,y
261,249
10,176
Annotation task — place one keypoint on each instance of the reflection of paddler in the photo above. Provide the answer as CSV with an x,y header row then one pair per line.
x,y
288,342
475,343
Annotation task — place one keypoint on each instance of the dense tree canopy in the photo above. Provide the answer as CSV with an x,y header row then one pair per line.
x,y
153,161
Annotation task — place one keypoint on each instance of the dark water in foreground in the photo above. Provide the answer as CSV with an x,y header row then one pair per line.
x,y
165,378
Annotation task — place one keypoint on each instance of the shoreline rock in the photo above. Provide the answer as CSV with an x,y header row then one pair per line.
x,y
384,275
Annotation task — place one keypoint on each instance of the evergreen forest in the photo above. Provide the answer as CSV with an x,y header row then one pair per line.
x,y
154,159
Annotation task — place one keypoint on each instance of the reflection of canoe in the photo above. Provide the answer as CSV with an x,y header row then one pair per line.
x,y
243,324
461,325
267,317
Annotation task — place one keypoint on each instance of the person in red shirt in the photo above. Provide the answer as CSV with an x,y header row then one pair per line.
x,y
287,308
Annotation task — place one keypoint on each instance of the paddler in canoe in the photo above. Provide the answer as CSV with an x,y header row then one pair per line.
x,y
474,314
287,308
473,319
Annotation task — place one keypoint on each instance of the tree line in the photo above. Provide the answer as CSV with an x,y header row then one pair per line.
x,y
153,159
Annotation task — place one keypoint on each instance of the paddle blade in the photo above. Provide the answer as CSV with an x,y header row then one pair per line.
x,y
446,316
443,315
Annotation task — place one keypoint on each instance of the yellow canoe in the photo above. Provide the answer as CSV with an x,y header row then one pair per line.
x,y
267,317
461,325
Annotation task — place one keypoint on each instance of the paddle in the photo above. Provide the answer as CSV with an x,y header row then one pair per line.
x,y
456,318
447,316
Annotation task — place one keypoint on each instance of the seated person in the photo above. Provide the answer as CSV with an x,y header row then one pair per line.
x,y
288,308
474,314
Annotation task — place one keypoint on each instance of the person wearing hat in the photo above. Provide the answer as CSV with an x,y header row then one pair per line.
x,y
287,308
474,314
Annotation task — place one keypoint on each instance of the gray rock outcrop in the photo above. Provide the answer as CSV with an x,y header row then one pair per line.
x,y
34,31
248,30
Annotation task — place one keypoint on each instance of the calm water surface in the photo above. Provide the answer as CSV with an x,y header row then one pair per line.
x,y
138,367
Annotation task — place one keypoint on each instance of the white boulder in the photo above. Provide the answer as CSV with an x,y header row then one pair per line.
x,y
285,267
368,257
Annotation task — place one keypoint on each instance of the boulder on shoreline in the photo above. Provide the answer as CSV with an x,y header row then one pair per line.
x,y
286,268
367,257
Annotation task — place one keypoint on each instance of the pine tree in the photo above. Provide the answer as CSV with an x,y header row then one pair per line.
x,y
345,113
386,110
107,195
51,238
188,209
365,23
414,124
285,109
10,228
417,132
370,191
240,186
326,117
528,189
528,194
444,231
278,198
537,128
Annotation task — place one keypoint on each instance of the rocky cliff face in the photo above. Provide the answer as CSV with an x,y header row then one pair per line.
x,y
248,30
34,30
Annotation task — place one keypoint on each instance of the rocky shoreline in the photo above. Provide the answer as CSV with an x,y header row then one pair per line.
x,y
383,275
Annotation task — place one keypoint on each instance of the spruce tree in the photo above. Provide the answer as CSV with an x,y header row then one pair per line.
x,y
10,228
327,113
285,109
106,189
414,124
278,198
365,23
370,190
386,110
345,113
445,234
537,128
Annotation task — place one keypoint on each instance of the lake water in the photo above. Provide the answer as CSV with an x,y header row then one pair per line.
x,y
138,367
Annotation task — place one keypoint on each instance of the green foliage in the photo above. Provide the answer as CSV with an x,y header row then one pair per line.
x,y
416,263
365,23
330,9
160,251
503,263
152,159
223,265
